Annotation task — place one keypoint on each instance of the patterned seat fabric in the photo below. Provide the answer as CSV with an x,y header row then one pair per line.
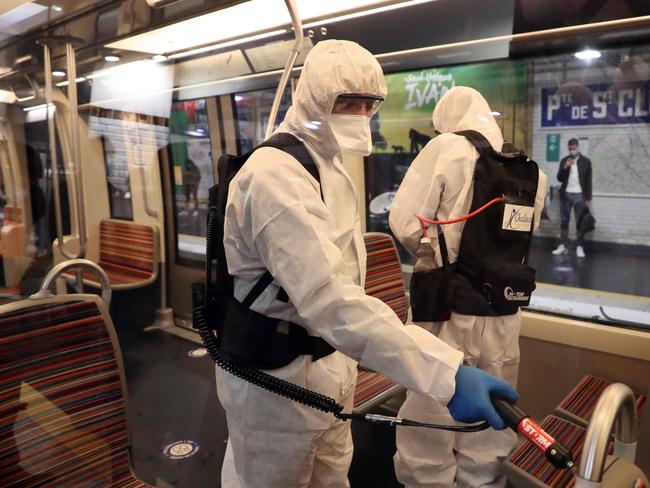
x,y
384,278
369,386
126,253
581,401
62,406
384,281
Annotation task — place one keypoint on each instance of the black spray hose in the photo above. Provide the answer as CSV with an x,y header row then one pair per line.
x,y
284,388
264,380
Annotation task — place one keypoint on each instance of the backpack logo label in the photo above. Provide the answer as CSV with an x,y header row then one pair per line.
x,y
517,217
515,296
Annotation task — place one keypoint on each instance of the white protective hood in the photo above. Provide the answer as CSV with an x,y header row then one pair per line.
x,y
463,108
332,68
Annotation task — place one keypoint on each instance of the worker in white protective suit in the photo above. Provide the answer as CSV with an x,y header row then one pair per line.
x,y
276,220
439,184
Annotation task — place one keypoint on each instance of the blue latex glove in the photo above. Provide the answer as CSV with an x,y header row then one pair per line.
x,y
471,401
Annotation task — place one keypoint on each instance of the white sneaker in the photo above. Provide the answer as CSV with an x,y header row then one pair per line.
x,y
580,252
561,250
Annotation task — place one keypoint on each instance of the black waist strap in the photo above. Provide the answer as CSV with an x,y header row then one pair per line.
x,y
300,342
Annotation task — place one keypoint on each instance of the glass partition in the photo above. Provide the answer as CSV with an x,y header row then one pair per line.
x,y
191,160
597,99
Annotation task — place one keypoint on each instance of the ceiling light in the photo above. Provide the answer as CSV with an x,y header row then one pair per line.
x,y
261,15
111,58
56,8
66,82
159,57
21,18
58,74
363,13
23,59
587,54
238,98
38,107
222,45
495,114
7,96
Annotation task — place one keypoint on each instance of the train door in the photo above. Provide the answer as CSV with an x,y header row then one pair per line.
x,y
201,130
197,138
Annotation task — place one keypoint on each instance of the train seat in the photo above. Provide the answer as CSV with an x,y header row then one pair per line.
x,y
384,280
579,404
527,466
128,253
63,418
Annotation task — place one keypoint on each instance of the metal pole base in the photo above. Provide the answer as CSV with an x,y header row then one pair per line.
x,y
164,319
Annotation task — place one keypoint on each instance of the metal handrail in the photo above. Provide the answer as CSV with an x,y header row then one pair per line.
x,y
615,411
141,164
12,188
73,113
56,271
75,146
54,164
295,52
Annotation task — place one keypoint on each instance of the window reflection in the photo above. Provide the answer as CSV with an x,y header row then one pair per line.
x,y
253,109
191,159
600,99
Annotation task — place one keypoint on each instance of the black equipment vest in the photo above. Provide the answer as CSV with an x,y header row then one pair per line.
x,y
491,276
245,337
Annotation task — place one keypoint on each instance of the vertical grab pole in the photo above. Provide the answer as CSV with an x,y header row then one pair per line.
x,y
76,155
295,52
54,164
51,132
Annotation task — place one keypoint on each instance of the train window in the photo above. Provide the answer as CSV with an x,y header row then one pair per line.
x,y
190,157
118,181
593,104
253,110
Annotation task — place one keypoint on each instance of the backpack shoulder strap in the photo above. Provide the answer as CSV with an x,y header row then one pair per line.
x,y
477,140
293,146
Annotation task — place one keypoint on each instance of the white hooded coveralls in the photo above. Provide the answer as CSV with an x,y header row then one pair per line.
x,y
439,185
276,220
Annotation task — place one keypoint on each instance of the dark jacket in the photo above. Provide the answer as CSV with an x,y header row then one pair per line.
x,y
584,175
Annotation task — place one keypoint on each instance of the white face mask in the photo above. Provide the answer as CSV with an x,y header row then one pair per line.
x,y
352,132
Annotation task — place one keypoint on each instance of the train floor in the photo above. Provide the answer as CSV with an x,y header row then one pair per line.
x,y
173,398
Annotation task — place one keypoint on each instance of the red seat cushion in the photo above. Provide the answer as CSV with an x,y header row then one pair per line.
x,y
62,406
126,253
369,385
384,278
581,401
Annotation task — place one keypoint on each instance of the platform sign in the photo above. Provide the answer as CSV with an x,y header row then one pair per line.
x,y
598,104
552,147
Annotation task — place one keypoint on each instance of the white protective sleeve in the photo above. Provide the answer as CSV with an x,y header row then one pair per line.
x,y
291,229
